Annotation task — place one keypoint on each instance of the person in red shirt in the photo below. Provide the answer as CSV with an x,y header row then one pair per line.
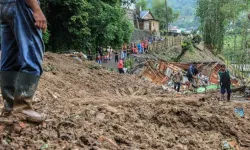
x,y
106,58
120,67
143,46
99,59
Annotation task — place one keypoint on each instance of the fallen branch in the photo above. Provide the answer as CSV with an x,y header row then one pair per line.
x,y
103,138
7,122
121,127
239,89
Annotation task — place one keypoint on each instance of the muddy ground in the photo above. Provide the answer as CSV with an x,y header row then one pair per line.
x,y
89,108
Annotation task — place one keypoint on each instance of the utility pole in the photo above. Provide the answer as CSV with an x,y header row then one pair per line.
x,y
166,3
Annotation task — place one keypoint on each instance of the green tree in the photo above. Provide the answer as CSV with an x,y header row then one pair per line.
x,y
224,25
215,16
68,24
142,4
108,24
79,25
212,21
162,14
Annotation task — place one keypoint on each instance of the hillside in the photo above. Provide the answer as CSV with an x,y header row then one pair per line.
x,y
187,10
199,53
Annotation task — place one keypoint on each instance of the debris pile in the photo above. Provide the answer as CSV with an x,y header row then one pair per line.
x,y
86,107
156,70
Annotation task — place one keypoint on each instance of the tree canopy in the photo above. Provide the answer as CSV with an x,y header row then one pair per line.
x,y
142,4
163,13
224,25
81,24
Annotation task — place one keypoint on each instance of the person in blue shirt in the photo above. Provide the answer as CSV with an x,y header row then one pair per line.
x,y
139,48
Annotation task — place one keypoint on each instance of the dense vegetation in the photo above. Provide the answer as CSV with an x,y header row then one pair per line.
x,y
185,9
81,24
224,25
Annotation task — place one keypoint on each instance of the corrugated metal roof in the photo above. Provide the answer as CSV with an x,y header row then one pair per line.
x,y
143,13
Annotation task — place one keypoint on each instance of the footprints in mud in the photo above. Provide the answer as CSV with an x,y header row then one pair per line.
x,y
132,91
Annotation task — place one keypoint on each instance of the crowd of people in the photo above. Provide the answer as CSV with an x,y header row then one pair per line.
x,y
141,47
105,55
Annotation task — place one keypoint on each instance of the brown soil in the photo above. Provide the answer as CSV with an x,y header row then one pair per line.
x,y
96,109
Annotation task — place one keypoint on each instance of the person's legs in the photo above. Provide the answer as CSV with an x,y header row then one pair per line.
x,y
21,60
222,91
29,39
175,85
9,57
121,71
178,86
228,88
9,60
190,82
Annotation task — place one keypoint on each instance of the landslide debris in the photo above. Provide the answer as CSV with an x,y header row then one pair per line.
x,y
86,107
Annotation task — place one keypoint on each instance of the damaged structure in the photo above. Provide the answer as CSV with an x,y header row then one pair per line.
x,y
158,70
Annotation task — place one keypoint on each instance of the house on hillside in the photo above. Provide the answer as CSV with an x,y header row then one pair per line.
x,y
144,23
143,20
147,21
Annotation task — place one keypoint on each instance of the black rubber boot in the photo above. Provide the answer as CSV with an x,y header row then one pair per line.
x,y
25,90
8,87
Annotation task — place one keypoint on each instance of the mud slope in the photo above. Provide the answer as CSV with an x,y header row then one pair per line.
x,y
96,109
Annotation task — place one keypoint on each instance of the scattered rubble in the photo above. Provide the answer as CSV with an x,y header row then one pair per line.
x,y
97,109
156,70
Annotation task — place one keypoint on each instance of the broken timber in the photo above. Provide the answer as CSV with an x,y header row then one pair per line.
x,y
157,70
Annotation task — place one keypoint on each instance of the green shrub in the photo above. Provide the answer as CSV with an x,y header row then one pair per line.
x,y
196,39
186,44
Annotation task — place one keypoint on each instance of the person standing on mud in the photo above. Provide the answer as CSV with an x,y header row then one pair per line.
x,y
225,82
22,23
99,59
120,67
177,79
116,57
191,74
